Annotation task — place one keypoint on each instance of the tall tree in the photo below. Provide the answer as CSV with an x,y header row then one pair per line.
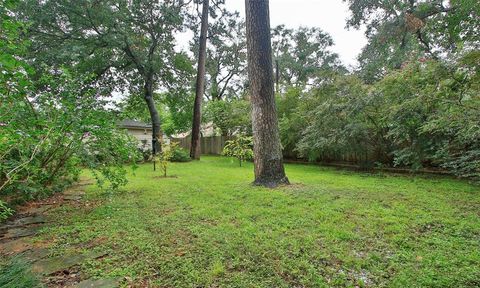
x,y
226,57
400,30
226,53
300,54
129,43
200,85
268,159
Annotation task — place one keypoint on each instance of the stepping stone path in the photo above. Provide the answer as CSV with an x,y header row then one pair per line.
x,y
104,283
16,239
56,264
15,233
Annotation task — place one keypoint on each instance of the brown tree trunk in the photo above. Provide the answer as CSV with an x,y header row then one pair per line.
x,y
267,150
155,118
277,77
200,86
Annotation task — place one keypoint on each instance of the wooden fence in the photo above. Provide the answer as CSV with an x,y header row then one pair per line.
x,y
213,145
209,145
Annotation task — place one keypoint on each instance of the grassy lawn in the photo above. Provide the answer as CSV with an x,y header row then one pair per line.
x,y
208,227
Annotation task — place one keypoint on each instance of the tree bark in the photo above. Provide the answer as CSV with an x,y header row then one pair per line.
x,y
268,159
156,129
277,77
200,85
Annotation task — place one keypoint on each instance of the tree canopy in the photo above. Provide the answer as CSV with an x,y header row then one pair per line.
x,y
402,30
302,54
125,43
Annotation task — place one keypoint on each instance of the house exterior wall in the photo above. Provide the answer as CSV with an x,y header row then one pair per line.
x,y
144,137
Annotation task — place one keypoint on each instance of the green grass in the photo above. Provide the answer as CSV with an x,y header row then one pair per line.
x,y
15,273
208,227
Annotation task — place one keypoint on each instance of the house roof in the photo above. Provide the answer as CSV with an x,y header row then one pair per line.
x,y
206,130
127,123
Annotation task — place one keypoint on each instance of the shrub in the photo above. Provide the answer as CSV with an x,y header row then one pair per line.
x,y
65,128
240,148
180,155
52,122
5,211
423,115
145,151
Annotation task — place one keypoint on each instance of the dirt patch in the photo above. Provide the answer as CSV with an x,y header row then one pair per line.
x,y
163,177
294,186
15,247
430,227
65,278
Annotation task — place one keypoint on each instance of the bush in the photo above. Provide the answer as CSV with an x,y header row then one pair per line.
x,y
5,211
53,122
180,155
66,127
423,115
165,156
145,152
240,148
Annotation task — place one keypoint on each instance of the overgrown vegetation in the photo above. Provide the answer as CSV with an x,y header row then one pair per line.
x,y
423,115
414,101
53,121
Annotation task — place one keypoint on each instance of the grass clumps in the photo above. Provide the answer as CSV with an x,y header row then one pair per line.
x,y
16,273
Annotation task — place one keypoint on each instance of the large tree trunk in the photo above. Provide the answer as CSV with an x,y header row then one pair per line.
x,y
277,77
267,150
200,86
156,129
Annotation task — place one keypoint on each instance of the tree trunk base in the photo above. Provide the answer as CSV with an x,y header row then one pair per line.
x,y
271,182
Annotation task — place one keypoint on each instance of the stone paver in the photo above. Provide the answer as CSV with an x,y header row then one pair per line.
x,y
20,232
101,283
36,254
38,210
55,264
16,235
15,246
25,221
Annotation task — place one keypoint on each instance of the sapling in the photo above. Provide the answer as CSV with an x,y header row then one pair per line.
x,y
240,148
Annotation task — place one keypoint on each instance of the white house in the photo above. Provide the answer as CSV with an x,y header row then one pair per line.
x,y
141,131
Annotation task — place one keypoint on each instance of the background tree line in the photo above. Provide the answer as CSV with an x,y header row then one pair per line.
x,y
413,101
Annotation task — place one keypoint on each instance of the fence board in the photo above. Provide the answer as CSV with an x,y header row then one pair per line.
x,y
212,145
